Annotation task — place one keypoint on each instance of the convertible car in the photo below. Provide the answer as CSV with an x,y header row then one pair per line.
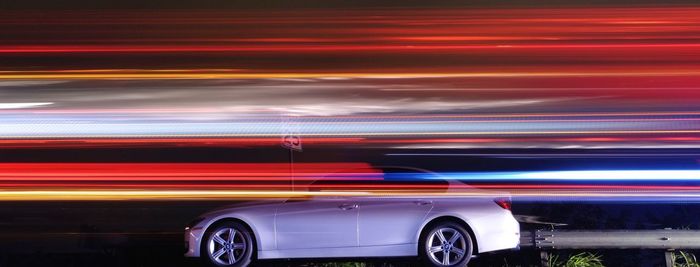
x,y
441,230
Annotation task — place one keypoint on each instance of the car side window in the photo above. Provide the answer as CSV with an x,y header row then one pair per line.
x,y
391,178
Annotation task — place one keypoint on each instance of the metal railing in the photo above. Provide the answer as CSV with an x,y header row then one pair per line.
x,y
667,240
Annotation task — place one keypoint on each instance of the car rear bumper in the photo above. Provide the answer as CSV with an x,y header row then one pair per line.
x,y
499,232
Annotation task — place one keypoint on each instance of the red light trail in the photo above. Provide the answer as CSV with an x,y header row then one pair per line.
x,y
587,78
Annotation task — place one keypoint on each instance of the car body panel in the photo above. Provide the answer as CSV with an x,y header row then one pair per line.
x,y
347,252
390,221
326,222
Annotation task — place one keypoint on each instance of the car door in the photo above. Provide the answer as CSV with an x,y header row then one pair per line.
x,y
391,221
321,222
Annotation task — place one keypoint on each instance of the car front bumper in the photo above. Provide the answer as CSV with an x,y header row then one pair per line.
x,y
193,239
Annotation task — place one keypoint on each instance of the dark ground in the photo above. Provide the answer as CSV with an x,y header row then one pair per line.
x,y
149,234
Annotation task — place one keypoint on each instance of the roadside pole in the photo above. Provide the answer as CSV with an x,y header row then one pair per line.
x,y
544,258
669,258
291,140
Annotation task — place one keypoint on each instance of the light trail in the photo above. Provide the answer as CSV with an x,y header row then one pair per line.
x,y
310,48
192,172
419,79
158,75
369,134
141,195
22,105
131,181
30,142
161,142
348,186
587,175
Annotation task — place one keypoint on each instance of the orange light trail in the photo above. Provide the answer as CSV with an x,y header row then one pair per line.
x,y
132,195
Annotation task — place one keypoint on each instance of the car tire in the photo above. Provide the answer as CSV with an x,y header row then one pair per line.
x,y
445,244
227,244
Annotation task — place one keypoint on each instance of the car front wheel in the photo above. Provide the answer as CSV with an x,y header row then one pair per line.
x,y
228,244
446,244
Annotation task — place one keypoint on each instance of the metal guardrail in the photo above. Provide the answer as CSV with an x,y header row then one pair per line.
x,y
612,239
664,239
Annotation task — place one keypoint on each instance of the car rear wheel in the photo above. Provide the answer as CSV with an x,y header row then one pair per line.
x,y
446,244
228,244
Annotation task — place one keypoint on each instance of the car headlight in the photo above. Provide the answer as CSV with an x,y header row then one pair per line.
x,y
194,222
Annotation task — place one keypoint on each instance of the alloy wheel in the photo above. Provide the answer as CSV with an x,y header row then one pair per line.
x,y
227,246
446,246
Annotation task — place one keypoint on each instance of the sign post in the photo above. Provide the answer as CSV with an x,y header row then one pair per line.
x,y
291,140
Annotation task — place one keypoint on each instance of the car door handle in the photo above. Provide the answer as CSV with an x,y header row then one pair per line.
x,y
348,206
422,202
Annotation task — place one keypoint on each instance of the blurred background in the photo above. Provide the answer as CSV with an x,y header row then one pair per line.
x,y
121,121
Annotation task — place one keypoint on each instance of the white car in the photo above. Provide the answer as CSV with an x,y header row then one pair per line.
x,y
443,231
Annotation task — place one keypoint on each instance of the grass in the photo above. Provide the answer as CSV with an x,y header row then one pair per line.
x,y
583,259
684,259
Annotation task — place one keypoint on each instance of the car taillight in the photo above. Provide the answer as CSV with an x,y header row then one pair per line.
x,y
504,202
